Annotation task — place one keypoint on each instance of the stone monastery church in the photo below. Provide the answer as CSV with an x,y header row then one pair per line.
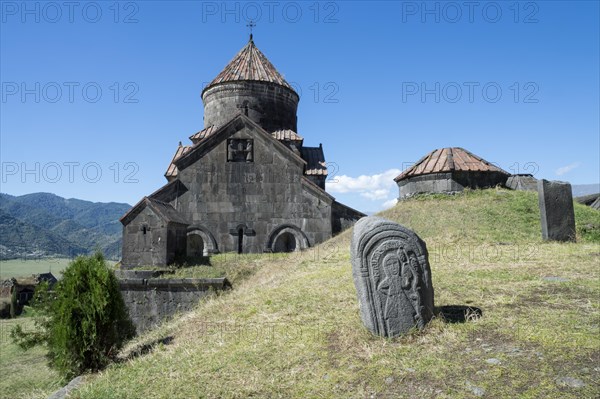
x,y
246,183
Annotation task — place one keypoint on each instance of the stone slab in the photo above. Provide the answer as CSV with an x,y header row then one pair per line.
x,y
522,182
556,210
392,276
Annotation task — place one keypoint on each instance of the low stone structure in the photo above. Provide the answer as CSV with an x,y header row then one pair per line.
x,y
391,273
522,182
556,210
65,391
591,200
150,301
25,290
449,170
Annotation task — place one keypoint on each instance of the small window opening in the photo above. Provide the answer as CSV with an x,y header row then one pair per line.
x,y
240,240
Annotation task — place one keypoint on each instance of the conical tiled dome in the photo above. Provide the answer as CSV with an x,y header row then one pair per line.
x,y
251,85
449,160
449,170
250,64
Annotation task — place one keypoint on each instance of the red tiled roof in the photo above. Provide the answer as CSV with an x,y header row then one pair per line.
x,y
287,135
281,135
172,171
202,134
250,64
315,161
449,160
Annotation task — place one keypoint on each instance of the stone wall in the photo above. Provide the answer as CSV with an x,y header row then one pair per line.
x,y
473,179
432,183
449,182
154,300
257,197
143,247
176,242
343,217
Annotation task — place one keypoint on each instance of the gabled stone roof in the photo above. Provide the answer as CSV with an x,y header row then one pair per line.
x,y
449,160
315,161
250,64
162,209
166,211
235,124
313,156
169,191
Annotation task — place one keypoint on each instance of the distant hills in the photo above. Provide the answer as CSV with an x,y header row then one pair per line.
x,y
44,225
585,189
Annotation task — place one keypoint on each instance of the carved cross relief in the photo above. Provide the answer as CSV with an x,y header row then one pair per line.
x,y
240,150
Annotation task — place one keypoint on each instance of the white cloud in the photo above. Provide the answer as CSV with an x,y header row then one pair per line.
x,y
390,203
566,169
380,193
374,187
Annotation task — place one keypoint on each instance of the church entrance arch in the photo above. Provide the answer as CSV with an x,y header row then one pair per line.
x,y
286,238
200,242
195,245
285,242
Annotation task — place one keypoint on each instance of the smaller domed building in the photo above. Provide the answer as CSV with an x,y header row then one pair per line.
x,y
449,170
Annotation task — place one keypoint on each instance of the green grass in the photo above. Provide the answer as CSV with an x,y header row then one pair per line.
x,y
27,267
24,373
21,267
236,267
291,328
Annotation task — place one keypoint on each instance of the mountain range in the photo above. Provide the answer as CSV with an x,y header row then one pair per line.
x,y
46,225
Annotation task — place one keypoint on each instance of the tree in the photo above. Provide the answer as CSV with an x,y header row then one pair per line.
x,y
84,322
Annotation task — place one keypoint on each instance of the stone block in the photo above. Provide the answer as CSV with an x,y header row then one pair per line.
x,y
391,273
522,182
556,210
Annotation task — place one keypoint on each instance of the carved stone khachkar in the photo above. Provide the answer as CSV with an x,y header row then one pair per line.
x,y
556,210
392,277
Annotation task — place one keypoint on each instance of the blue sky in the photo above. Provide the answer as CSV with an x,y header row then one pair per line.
x,y
97,95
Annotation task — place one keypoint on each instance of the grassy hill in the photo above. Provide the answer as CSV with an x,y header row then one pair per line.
x,y
292,328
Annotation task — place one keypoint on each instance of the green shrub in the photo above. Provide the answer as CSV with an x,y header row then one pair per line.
x,y
84,321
